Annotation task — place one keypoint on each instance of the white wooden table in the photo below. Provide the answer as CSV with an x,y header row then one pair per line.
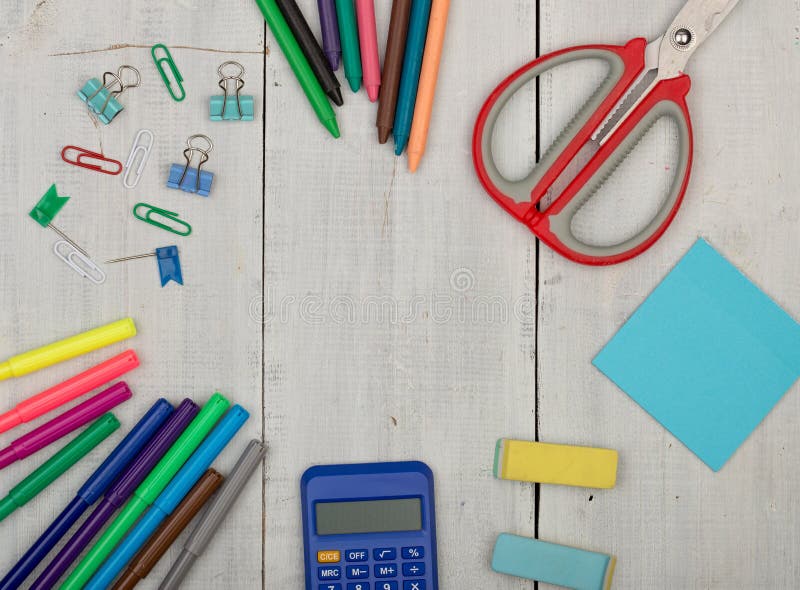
x,y
364,314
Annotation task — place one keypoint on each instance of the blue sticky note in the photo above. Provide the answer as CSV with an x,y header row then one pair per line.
x,y
708,355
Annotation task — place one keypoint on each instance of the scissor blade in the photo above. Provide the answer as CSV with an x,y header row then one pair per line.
x,y
693,25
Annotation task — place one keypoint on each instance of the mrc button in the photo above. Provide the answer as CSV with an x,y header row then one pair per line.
x,y
331,556
329,573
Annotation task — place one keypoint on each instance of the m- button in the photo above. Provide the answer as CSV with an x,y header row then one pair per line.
x,y
331,556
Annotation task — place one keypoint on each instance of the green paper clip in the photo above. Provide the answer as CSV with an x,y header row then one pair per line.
x,y
175,72
170,215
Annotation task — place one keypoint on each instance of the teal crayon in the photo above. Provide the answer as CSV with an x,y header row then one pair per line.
x,y
409,80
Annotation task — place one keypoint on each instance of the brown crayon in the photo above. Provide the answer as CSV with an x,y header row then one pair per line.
x,y
148,556
392,67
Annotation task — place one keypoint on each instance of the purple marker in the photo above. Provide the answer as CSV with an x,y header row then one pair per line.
x,y
63,424
330,32
118,494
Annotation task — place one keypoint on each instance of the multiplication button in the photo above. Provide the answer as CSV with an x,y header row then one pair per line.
x,y
414,585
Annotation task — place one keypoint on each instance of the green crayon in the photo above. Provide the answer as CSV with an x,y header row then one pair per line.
x,y
348,34
294,55
30,487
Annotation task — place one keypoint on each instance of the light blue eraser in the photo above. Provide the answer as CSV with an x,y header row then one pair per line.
x,y
554,564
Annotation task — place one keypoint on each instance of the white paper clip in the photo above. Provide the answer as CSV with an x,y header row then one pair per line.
x,y
138,147
81,264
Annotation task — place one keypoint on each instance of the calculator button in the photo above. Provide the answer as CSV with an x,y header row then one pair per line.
x,y
356,555
330,587
334,556
358,586
384,554
414,570
329,573
386,586
355,572
388,570
413,552
414,585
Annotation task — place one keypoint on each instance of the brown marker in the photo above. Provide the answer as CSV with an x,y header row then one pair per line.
x,y
392,67
165,535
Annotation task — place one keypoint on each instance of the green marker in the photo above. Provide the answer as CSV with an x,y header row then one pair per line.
x,y
30,487
299,63
149,490
348,34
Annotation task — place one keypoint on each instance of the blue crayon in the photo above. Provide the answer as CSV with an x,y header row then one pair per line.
x,y
409,80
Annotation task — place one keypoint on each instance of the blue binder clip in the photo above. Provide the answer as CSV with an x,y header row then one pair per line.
x,y
169,263
192,180
231,108
101,98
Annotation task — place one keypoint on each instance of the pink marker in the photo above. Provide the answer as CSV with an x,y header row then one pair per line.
x,y
65,423
67,391
368,39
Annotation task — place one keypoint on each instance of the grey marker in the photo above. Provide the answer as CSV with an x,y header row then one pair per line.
x,y
214,514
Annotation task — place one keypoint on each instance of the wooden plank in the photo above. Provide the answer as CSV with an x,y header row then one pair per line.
x,y
671,521
193,339
347,228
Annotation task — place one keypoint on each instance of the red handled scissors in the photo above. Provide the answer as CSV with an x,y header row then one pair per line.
x,y
645,82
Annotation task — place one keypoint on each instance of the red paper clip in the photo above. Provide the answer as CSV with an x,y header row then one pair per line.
x,y
84,154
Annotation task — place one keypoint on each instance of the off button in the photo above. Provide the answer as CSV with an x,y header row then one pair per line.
x,y
333,556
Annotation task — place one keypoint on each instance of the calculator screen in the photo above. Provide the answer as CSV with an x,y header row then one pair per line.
x,y
369,516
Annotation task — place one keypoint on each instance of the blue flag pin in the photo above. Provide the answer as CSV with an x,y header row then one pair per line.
x,y
169,263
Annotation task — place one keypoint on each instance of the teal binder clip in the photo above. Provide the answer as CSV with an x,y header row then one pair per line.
x,y
231,108
101,98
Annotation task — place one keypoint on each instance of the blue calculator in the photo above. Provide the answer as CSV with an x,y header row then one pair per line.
x,y
369,526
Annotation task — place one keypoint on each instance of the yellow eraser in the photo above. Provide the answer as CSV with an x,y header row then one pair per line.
x,y
587,467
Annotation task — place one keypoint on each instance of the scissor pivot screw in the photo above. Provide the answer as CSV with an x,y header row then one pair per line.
x,y
682,38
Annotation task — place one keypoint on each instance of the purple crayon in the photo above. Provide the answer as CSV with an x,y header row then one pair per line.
x,y
330,32
65,423
118,494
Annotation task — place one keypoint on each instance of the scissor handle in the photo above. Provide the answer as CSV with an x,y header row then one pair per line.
x,y
666,99
521,197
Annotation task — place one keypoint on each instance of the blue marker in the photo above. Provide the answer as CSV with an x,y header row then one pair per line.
x,y
90,492
409,80
172,495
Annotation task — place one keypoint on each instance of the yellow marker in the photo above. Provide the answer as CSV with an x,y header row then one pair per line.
x,y
63,350
586,467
